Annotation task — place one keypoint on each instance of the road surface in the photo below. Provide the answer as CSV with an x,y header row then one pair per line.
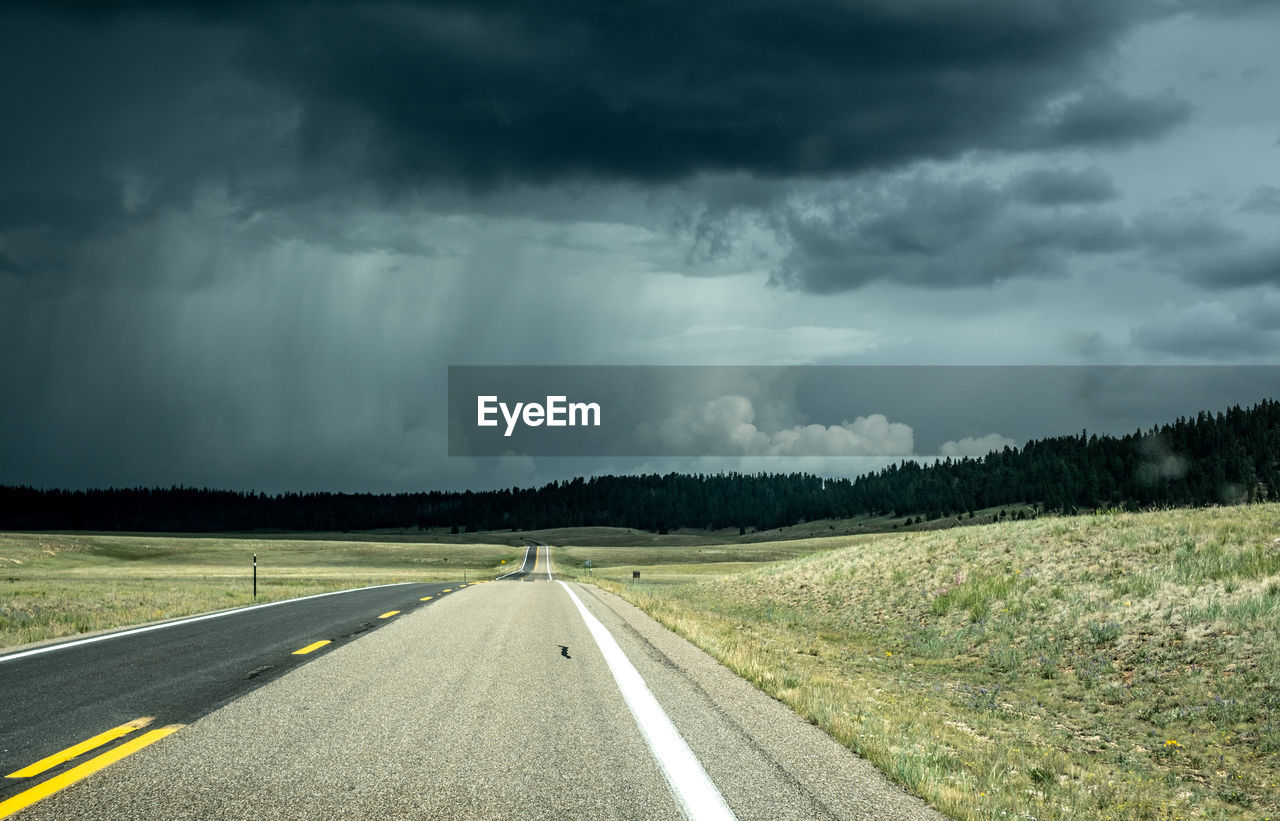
x,y
55,696
541,700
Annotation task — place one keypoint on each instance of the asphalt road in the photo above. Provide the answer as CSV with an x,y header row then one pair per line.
x,y
500,701
55,696
536,565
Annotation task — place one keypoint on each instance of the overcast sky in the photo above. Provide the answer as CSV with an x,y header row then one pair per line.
x,y
240,243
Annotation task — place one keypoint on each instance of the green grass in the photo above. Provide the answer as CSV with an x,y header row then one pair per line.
x,y
57,585
1121,666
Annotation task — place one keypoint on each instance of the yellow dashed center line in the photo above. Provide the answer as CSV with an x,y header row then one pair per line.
x,y
47,788
388,614
447,590
426,598
315,645
49,762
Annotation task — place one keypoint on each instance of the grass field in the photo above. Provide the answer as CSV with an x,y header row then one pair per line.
x,y
1123,666
54,585
631,537
674,564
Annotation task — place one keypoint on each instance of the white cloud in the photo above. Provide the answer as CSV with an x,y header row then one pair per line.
x,y
726,425
975,447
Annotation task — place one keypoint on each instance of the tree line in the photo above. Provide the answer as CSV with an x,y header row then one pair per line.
x,y
1227,457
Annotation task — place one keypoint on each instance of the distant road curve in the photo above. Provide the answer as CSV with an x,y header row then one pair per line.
x,y
536,565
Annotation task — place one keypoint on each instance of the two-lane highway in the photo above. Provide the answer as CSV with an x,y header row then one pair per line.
x,y
56,698
535,567
520,701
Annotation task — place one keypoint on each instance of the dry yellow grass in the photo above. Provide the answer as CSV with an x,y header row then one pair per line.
x,y
1119,667
56,585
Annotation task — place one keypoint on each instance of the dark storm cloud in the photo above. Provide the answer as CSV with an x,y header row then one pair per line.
x,y
34,209
130,112
1109,117
1195,244
138,108
1206,330
948,233
926,232
1265,199
1221,8
113,121
8,266
1263,313
490,93
239,242
495,93
1238,267
1183,230
1060,186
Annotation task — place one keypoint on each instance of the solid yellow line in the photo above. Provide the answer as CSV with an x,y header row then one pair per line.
x,y
310,647
425,598
49,762
59,782
388,614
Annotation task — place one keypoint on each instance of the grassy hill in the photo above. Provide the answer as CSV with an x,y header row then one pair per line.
x,y
1118,666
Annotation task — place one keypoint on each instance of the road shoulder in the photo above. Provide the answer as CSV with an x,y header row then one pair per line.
x,y
749,742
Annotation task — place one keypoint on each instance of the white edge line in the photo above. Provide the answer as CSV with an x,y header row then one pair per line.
x,y
698,796
548,547
521,567
518,569
92,639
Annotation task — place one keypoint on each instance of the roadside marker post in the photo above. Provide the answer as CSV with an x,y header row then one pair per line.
x,y
255,576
